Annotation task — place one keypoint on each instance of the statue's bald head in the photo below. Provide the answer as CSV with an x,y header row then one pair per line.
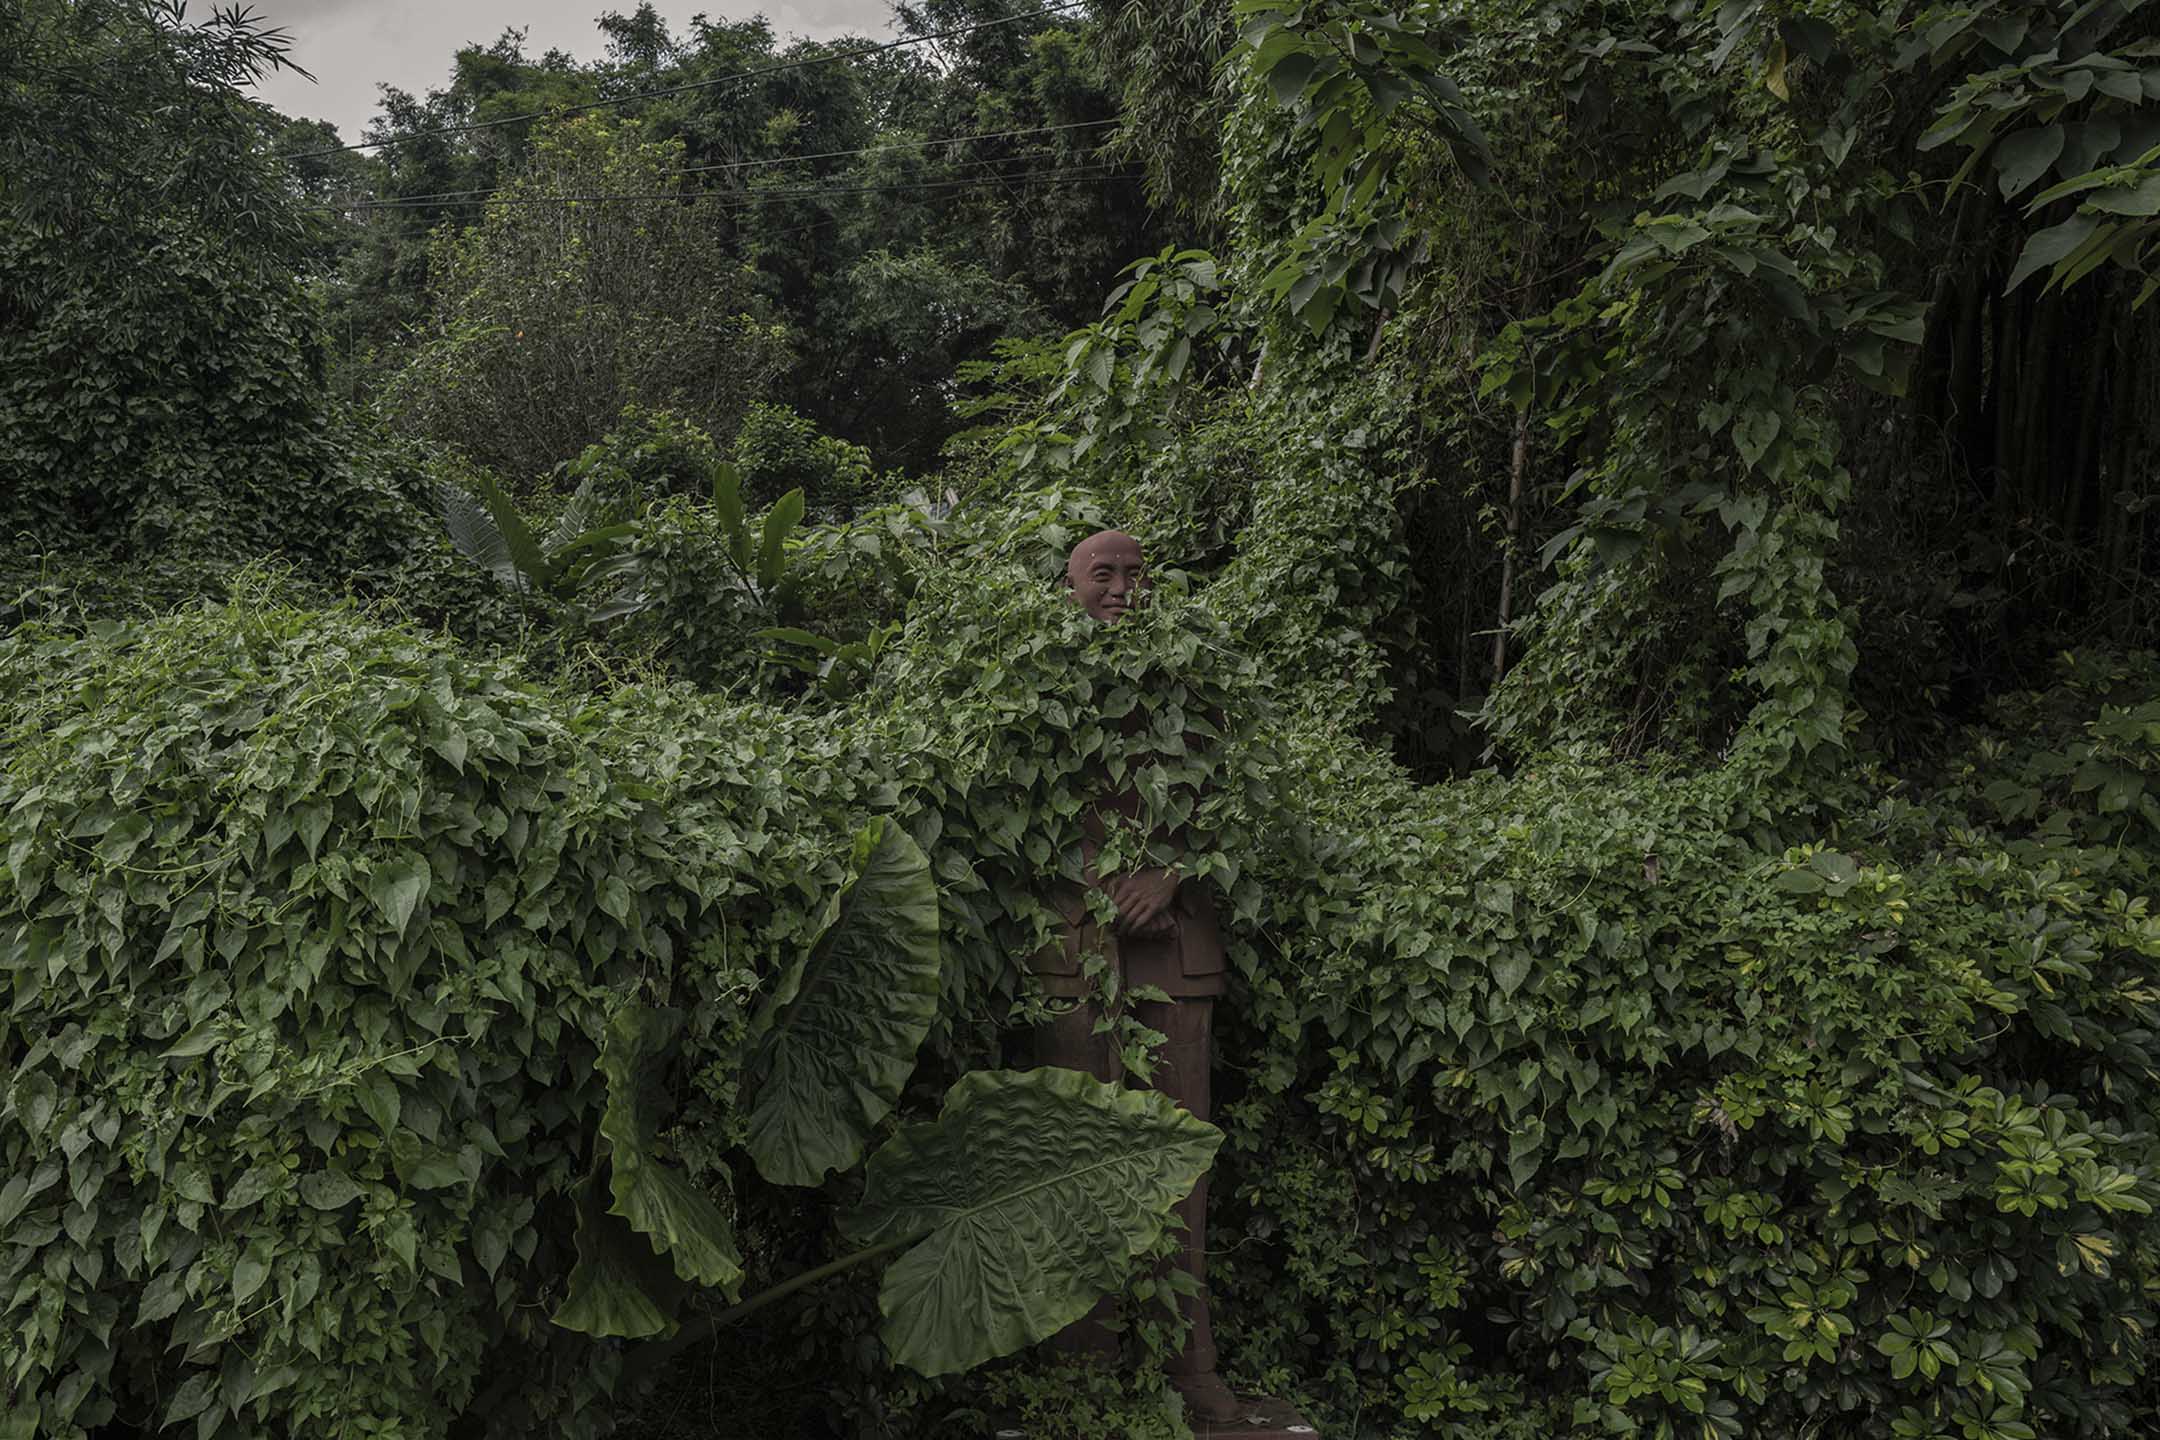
x,y
1107,574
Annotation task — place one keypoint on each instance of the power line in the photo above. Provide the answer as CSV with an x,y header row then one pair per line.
x,y
737,200
1050,9
822,155
896,145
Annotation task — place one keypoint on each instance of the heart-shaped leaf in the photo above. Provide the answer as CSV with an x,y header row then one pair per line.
x,y
398,888
1032,1191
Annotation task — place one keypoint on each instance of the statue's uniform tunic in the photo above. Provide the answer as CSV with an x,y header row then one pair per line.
x,y
1187,964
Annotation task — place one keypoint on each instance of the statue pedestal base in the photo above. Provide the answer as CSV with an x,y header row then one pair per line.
x,y
1264,1419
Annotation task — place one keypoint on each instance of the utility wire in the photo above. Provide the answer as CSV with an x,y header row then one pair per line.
x,y
823,155
737,200
896,145
827,59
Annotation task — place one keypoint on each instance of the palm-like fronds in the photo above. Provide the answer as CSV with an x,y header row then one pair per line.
x,y
473,531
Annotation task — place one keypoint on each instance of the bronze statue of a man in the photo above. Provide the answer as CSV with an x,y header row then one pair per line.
x,y
1165,935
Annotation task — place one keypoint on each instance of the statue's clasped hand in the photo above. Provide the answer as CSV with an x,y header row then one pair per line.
x,y
1143,901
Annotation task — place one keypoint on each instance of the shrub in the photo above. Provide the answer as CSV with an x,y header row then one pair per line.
x,y
1611,1100
312,931
1600,1100
348,979
550,316
779,450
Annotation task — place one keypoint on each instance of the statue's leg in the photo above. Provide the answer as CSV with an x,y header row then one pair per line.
x,y
1182,1073
1069,1042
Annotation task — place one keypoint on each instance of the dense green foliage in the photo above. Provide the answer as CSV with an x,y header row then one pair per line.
x,y
389,953
898,209
542,331
162,361
1652,647
1640,1090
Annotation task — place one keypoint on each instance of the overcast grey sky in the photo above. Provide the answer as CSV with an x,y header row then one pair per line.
x,y
351,46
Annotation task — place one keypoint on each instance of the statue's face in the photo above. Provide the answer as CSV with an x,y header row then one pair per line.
x,y
1107,575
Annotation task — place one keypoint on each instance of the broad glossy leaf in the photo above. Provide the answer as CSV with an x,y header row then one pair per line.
x,y
2024,157
842,1027
251,1270
727,499
35,1099
329,1189
1288,76
2052,245
1032,1191
2085,144
192,1398
661,1204
2140,200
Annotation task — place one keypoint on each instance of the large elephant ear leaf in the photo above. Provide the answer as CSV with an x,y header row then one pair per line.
x,y
1032,1191
661,1204
837,1039
618,1286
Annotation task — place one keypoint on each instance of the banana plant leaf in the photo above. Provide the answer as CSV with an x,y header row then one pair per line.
x,y
584,511
1032,1191
780,522
526,555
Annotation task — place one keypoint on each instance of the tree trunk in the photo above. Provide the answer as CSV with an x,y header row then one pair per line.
x,y
1517,464
2085,459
